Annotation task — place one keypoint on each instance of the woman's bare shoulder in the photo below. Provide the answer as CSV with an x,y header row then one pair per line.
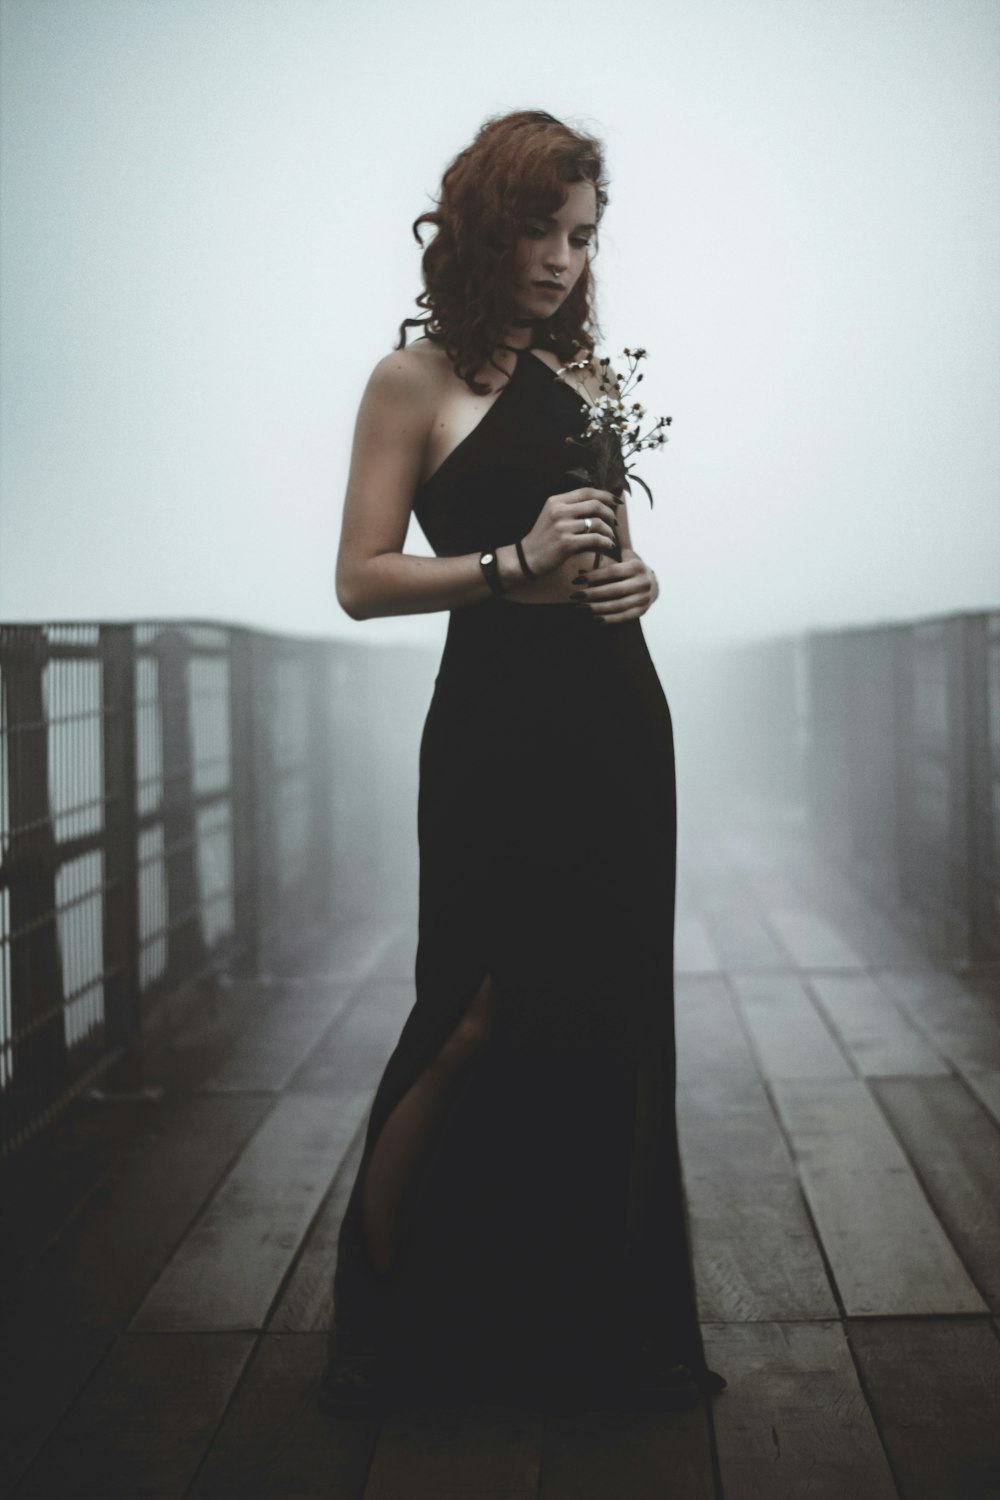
x,y
418,370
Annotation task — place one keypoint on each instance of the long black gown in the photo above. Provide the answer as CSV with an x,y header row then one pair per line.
x,y
544,1242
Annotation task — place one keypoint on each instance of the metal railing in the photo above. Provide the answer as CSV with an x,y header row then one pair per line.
x,y
175,800
179,799
902,767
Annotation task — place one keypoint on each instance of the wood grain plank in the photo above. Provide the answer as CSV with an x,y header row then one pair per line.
x,y
51,1175
41,1378
353,1052
144,1422
755,1252
357,949
935,1392
398,960
195,1032
228,1269
871,932
886,1247
791,1038
445,1453
273,1044
306,1303
636,1455
275,1444
986,1087
694,952
710,1041
807,875
955,1147
878,1036
743,941
94,1275
793,1420
963,1025
60,1319
774,882
707,896
811,941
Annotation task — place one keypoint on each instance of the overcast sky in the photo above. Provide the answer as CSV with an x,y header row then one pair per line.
x,y
206,210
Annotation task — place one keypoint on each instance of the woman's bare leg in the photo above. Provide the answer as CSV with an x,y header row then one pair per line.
x,y
404,1134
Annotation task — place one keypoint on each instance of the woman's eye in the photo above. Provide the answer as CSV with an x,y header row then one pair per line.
x,y
536,232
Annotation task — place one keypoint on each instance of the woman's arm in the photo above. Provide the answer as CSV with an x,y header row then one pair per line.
x,y
374,576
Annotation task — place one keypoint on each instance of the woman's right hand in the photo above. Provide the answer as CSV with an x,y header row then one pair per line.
x,y
559,531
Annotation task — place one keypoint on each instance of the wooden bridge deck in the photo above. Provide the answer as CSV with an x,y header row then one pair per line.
x,y
168,1264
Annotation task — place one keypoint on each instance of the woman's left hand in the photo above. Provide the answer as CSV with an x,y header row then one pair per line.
x,y
618,591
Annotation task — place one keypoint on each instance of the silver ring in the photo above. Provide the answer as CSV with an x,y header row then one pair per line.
x,y
588,523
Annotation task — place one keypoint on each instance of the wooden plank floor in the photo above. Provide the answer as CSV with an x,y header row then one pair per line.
x,y
168,1267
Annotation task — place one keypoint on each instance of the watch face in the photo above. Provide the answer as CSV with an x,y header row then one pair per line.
x,y
487,557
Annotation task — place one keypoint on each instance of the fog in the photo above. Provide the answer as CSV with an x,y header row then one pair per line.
x,y
206,246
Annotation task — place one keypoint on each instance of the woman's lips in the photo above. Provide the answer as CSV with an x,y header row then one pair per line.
x,y
549,286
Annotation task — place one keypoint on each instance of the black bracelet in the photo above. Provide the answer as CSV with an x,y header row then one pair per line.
x,y
491,570
520,557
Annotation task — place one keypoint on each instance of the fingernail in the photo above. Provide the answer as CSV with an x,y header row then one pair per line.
x,y
581,578
577,595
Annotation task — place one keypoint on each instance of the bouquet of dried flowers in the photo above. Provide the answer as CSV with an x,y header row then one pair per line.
x,y
612,435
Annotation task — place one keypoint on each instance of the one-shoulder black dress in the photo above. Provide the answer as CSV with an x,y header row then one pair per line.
x,y
544,1243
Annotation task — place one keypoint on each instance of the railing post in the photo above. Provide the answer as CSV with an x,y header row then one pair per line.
x,y
40,1065
321,757
122,999
960,854
904,728
186,951
245,792
980,809
270,902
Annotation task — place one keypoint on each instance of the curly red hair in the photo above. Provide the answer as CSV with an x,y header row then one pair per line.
x,y
519,164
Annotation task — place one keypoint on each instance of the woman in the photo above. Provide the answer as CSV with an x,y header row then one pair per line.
x,y
517,1224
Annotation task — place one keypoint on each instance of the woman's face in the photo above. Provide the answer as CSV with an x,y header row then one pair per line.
x,y
554,250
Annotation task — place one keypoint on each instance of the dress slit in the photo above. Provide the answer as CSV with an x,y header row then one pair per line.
x,y
362,1294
